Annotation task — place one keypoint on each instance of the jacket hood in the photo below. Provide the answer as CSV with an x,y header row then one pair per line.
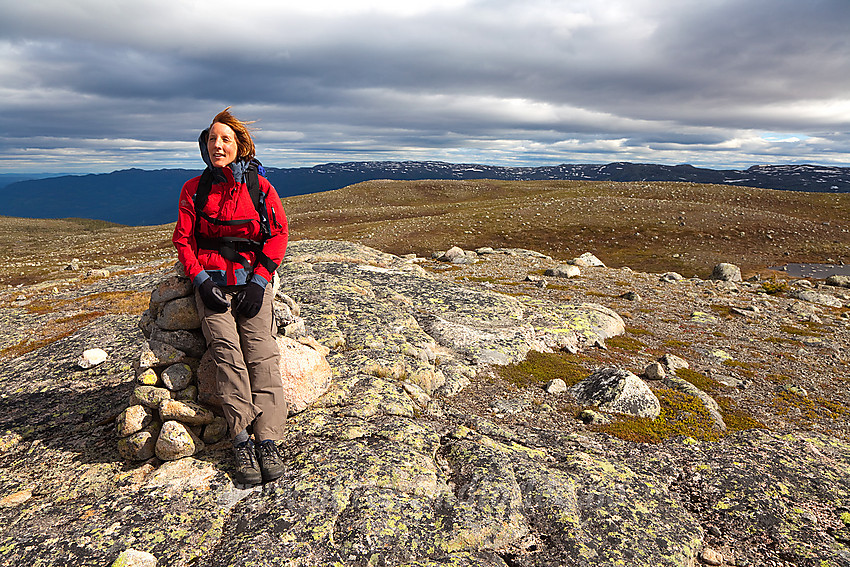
x,y
238,167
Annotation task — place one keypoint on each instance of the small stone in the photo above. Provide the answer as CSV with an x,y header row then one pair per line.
x,y
655,371
134,558
711,557
132,420
417,394
587,260
177,441
140,446
15,499
555,386
591,417
177,376
565,271
631,296
148,378
671,277
215,431
92,357
149,396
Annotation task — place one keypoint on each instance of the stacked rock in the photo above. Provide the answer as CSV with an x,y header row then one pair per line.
x,y
172,412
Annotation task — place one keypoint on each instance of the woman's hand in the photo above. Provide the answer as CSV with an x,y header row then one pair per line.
x,y
213,297
249,300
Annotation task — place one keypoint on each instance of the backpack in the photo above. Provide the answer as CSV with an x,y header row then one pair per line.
x,y
230,247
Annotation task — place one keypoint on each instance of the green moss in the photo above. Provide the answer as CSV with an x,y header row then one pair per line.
x,y
744,368
699,380
724,310
734,418
676,343
772,287
681,415
792,330
539,367
639,331
625,342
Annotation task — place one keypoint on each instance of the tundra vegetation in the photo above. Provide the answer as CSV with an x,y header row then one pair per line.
x,y
525,476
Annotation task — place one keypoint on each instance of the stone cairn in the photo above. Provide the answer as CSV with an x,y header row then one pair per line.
x,y
174,410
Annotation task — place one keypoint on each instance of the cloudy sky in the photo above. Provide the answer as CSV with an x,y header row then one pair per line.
x,y
99,85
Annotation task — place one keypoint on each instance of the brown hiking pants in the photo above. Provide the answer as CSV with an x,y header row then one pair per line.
x,y
247,367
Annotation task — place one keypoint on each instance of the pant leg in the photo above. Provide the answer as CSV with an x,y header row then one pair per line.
x,y
263,362
232,376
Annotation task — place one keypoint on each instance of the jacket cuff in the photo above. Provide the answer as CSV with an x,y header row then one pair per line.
x,y
260,280
200,278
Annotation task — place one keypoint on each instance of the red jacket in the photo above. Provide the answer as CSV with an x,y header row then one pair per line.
x,y
228,201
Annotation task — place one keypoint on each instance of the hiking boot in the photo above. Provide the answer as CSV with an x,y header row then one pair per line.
x,y
247,468
271,463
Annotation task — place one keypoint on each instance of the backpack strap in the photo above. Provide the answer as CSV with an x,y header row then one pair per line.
x,y
229,247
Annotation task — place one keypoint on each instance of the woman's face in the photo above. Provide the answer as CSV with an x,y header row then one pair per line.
x,y
221,144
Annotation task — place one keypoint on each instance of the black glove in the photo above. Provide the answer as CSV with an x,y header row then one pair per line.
x,y
213,297
249,300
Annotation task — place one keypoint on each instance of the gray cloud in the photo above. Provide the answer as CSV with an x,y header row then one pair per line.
x,y
95,85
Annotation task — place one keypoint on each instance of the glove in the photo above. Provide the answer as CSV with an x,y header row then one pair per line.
x,y
213,297
249,300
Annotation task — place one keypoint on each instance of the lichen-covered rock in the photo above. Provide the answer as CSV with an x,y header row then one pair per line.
x,y
154,354
812,296
132,420
215,431
177,441
180,313
619,391
177,376
135,558
140,446
149,396
186,412
149,377
171,288
191,342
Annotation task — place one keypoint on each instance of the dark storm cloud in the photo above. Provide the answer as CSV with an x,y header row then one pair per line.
x,y
95,85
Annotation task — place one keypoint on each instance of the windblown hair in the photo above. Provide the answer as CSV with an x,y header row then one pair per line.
x,y
244,143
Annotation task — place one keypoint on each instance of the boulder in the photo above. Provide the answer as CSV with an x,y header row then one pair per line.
x,y
838,281
726,272
564,271
305,372
619,391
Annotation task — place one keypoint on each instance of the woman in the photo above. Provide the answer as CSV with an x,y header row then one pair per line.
x,y
230,243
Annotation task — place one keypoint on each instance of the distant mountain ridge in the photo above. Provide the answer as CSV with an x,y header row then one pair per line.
x,y
139,197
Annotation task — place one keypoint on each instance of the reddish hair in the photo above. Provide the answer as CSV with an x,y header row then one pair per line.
x,y
244,143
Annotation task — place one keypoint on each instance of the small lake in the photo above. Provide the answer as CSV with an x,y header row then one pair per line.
x,y
816,271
